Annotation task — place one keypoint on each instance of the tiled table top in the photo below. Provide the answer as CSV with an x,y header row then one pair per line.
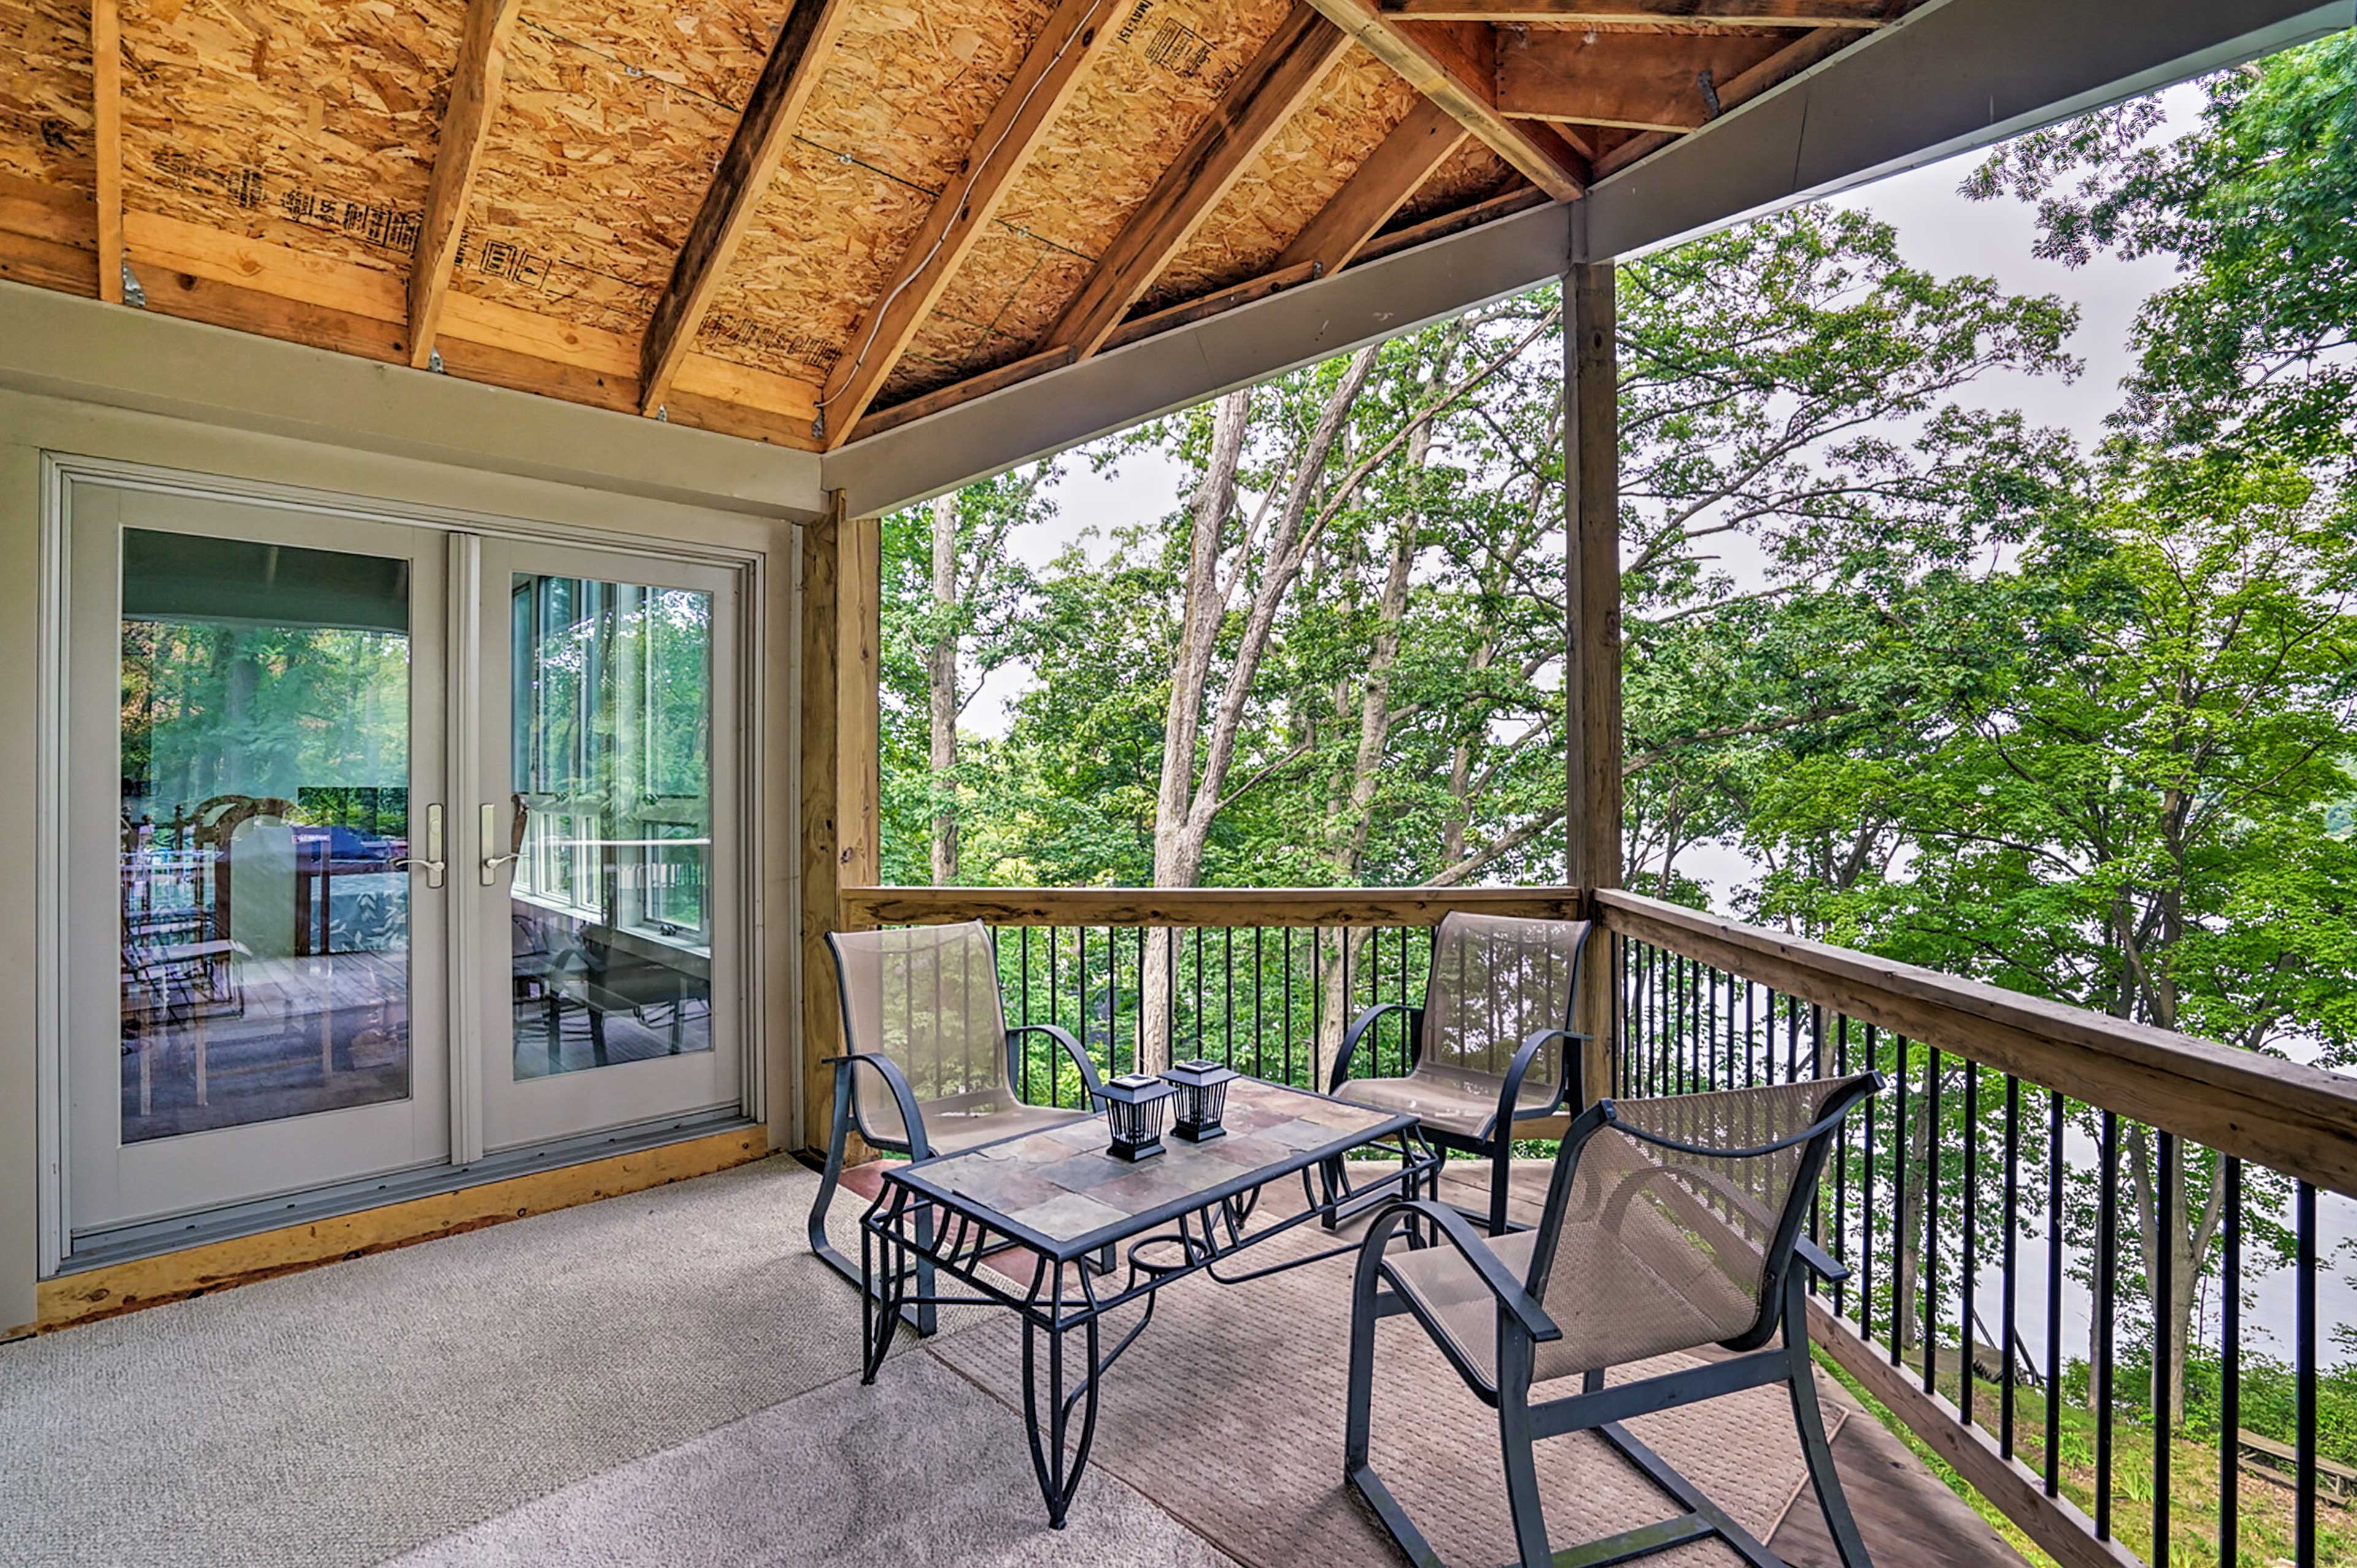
x,y
1059,1187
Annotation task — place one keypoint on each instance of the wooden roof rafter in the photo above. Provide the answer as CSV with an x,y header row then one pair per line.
x,y
1378,189
789,76
475,83
1455,65
1042,85
1264,94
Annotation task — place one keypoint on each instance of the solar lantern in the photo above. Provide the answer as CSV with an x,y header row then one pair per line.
x,y
1136,1105
1203,1090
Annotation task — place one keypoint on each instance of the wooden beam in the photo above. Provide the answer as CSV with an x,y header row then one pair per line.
x,y
1625,12
1417,145
788,78
1263,96
1034,98
1784,64
1454,64
1647,82
475,82
106,128
1592,594
1203,307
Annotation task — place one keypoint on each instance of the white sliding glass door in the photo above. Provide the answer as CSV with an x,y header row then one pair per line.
x,y
385,847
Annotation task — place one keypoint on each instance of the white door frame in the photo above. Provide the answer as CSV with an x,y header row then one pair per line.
x,y
60,471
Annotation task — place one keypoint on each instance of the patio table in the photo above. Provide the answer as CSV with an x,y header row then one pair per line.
x,y
1097,1234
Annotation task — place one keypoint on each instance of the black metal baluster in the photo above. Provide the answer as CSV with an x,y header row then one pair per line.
x,y
2165,1275
1055,1093
2107,1226
1228,946
2009,1328
1288,1005
1899,1203
1081,973
1927,1318
1750,1033
1199,993
1866,1204
2230,1371
1260,1037
2053,1294
1170,991
1316,1003
2304,1373
1113,998
1023,947
1972,1214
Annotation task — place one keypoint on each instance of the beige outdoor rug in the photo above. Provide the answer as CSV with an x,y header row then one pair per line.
x,y
1228,1412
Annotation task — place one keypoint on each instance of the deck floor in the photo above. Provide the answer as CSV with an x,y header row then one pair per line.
x,y
669,1378
1905,1514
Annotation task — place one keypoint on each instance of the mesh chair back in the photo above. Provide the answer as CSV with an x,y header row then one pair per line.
x,y
1700,1239
1495,982
927,998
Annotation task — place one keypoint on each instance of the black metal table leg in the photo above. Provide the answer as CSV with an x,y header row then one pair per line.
x,y
1059,1473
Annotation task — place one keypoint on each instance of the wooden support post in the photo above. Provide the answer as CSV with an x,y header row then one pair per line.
x,y
841,587
106,126
1592,593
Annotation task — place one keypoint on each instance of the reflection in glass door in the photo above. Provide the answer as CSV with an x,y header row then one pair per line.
x,y
265,832
607,841
256,986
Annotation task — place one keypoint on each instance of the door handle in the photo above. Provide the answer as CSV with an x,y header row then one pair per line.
x,y
431,863
491,863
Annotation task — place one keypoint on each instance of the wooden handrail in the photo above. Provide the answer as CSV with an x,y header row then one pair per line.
x,y
2298,1120
867,908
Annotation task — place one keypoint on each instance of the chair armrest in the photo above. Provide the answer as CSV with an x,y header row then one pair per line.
x,y
1360,1026
1828,1268
1513,1296
903,1097
1089,1080
1511,1095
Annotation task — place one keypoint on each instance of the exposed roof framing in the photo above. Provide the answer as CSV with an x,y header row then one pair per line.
x,y
1417,145
789,77
1263,97
1035,95
1455,65
474,98
837,224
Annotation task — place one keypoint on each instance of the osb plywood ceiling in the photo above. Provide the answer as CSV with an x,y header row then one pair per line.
x,y
806,221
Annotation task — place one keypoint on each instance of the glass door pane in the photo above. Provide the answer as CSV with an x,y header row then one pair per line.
x,y
610,775
606,821
265,696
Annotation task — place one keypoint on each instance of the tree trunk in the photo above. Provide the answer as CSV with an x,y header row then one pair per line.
x,y
942,683
1187,801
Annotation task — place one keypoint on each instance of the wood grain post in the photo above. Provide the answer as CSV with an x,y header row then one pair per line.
x,y
841,561
1592,594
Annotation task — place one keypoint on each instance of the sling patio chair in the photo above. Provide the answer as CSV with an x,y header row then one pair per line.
x,y
929,1063
1670,1225
1493,1044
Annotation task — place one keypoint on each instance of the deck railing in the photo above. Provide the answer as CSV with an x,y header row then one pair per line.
x,y
1989,1204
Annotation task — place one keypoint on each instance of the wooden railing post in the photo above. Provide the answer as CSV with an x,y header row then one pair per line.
x,y
841,565
1592,599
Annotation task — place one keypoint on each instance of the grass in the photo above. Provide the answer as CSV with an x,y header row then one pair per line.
x,y
2264,1512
